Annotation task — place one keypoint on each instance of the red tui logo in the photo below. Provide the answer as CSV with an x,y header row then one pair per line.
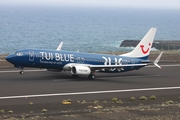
x,y
142,48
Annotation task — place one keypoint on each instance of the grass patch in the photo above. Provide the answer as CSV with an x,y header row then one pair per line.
x,y
96,101
132,99
98,107
114,99
143,98
2,111
83,102
10,112
105,101
31,103
153,97
169,102
44,110
119,101
66,102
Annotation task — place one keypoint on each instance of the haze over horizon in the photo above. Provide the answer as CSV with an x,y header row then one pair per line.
x,y
165,4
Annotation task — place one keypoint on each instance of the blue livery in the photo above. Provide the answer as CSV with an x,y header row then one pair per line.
x,y
80,63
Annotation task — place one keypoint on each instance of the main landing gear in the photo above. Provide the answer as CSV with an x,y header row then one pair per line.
x,y
92,76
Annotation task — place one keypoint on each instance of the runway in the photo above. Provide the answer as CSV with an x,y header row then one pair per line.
x,y
52,87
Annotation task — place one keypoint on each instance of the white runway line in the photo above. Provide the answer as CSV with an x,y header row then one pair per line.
x,y
133,76
91,92
14,71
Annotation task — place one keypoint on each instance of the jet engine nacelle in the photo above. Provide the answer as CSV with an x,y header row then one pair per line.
x,y
80,70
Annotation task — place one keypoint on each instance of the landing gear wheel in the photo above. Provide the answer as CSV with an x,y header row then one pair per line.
x,y
21,72
92,76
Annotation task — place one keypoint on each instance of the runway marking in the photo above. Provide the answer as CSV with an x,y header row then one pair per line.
x,y
91,92
14,71
133,76
60,80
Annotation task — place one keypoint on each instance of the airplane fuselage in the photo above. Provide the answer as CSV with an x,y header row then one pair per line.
x,y
53,59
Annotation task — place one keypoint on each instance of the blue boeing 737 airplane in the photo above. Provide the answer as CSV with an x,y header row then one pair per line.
x,y
80,63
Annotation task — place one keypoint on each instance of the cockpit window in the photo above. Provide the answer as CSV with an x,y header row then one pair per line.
x,y
19,54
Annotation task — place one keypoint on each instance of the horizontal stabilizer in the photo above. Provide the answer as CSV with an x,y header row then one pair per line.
x,y
157,60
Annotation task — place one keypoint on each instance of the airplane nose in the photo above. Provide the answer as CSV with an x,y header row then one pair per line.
x,y
10,58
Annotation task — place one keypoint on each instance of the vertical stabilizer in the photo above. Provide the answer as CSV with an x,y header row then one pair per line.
x,y
144,46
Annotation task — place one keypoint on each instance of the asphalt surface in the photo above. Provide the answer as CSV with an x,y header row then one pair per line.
x,y
61,85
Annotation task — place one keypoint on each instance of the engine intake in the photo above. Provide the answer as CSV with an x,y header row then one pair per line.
x,y
80,70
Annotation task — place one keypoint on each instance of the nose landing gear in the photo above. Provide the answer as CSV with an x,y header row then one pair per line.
x,y
22,70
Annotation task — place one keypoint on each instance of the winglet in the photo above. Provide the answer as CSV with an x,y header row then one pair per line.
x,y
157,60
60,46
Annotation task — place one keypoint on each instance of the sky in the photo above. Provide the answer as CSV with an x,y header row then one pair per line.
x,y
174,4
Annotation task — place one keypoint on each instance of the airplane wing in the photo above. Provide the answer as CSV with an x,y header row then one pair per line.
x,y
97,67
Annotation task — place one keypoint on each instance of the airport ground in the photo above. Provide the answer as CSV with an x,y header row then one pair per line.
x,y
147,94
